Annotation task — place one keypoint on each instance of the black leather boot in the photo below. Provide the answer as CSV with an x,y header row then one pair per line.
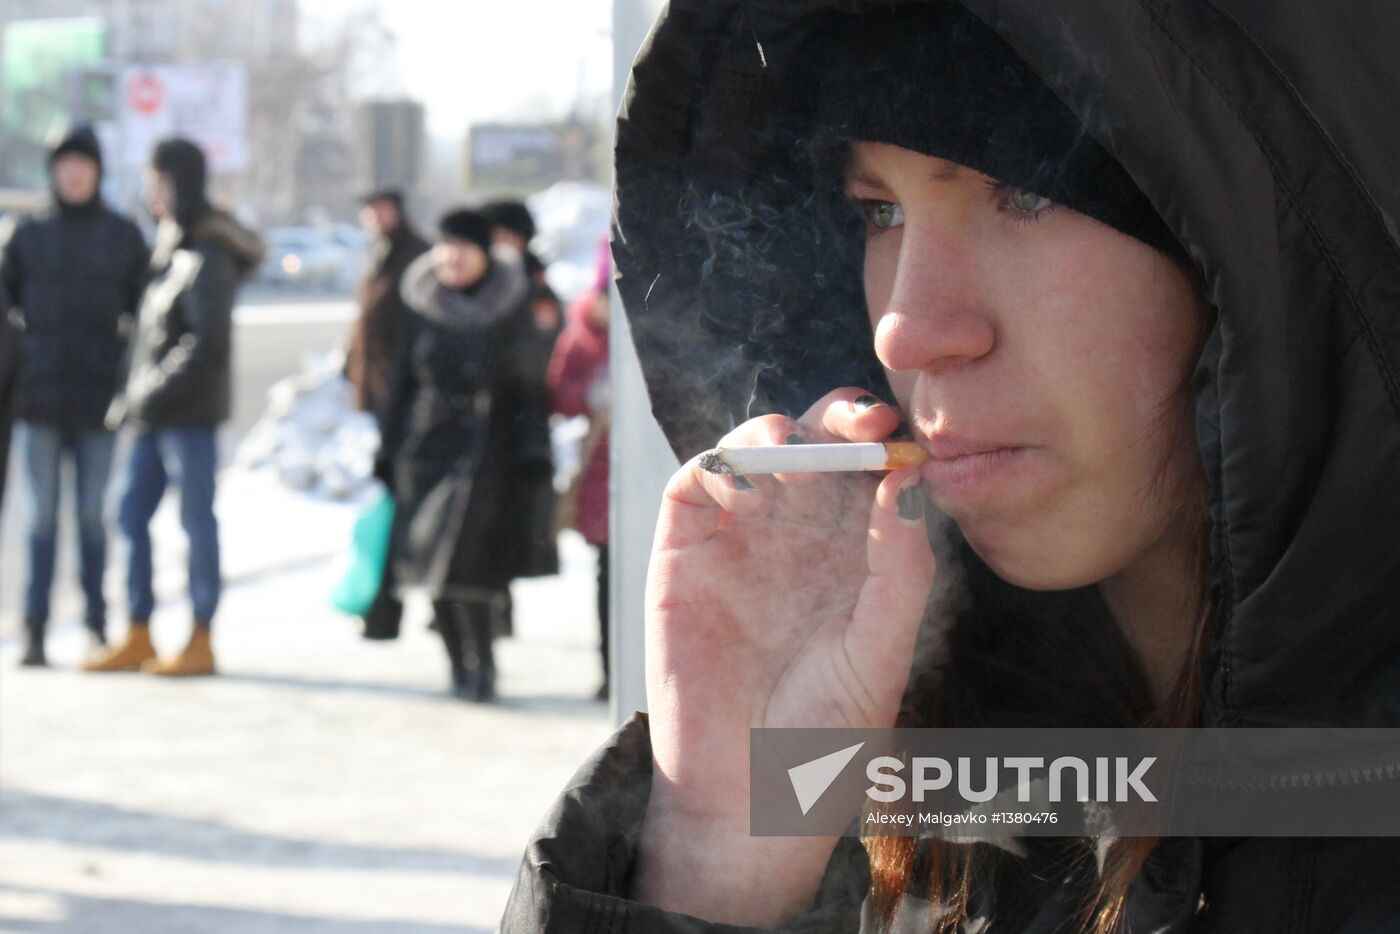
x,y
481,659
34,656
446,617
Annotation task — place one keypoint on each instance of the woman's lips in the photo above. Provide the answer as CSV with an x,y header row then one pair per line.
x,y
982,471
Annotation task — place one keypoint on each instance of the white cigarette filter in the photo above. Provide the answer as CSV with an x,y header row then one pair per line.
x,y
814,458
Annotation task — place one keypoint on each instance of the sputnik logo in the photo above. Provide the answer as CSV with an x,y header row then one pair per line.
x,y
810,780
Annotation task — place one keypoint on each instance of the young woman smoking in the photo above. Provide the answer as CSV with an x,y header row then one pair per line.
x,y
1126,274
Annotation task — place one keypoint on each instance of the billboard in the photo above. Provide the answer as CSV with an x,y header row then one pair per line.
x,y
205,102
525,157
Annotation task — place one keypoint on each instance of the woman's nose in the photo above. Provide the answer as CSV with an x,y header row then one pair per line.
x,y
936,316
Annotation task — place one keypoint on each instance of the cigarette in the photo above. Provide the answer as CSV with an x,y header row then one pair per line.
x,y
814,458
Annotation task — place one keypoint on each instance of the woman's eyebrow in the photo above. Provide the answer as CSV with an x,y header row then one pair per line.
x,y
945,171
859,175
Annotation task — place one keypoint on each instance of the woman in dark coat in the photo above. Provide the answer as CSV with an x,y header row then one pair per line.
x,y
179,389
1128,274
466,471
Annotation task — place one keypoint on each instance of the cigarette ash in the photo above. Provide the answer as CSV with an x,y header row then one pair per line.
x,y
714,462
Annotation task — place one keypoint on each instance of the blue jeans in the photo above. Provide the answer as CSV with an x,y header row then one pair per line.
x,y
186,456
91,452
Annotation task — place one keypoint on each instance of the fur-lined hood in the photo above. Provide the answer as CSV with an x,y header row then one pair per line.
x,y
218,227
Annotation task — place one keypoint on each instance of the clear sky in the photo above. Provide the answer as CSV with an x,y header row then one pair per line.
x,y
475,60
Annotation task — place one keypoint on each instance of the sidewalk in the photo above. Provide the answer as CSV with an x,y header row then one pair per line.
x,y
319,784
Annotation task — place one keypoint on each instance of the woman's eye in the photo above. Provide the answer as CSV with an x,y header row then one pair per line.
x,y
882,215
1026,202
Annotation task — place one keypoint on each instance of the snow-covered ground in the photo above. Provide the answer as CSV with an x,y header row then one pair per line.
x,y
320,783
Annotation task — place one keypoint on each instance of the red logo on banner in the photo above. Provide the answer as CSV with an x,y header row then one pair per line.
x,y
145,94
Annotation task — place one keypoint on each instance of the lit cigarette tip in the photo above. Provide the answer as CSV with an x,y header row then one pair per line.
x,y
904,454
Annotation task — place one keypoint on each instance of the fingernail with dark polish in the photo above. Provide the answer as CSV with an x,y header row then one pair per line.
x,y
910,503
796,439
865,403
743,484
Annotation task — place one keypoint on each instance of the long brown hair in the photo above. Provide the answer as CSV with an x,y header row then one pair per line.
x,y
951,870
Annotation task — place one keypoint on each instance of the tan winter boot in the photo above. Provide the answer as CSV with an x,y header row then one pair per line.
x,y
133,651
196,659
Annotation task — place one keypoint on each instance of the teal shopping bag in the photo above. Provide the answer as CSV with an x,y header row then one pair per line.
x,y
369,550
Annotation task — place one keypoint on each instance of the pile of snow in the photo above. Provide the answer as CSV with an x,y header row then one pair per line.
x,y
311,437
572,218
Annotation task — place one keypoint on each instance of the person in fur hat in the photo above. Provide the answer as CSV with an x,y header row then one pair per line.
x,y
471,478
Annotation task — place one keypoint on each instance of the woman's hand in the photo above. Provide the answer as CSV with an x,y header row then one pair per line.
x,y
795,603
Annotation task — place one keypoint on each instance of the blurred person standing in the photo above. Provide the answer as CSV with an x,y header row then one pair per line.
x,y
513,225
178,391
74,275
395,245
523,404
578,382
373,344
452,450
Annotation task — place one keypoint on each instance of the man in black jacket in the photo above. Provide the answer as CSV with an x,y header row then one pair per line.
x,y
74,273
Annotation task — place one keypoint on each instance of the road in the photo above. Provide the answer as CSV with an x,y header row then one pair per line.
x,y
273,333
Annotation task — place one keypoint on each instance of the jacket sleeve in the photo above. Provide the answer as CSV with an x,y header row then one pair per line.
x,y
9,382
570,369
208,313
11,262
577,869
138,263
398,397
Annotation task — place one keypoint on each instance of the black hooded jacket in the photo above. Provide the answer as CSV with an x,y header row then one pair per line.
x,y
74,273
1263,134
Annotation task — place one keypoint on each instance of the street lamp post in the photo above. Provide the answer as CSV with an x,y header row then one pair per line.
x,y
641,460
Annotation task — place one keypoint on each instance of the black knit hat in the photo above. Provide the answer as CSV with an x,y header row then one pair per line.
x,y
466,224
512,215
81,141
938,81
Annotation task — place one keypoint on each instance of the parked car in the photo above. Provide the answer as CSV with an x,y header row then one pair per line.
x,y
313,257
